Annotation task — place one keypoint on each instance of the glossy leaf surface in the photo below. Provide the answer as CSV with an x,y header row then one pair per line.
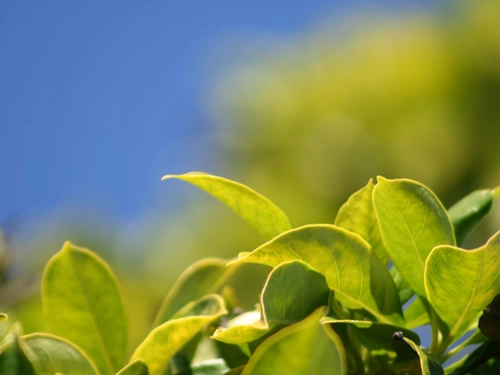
x,y
461,283
358,215
52,354
82,303
202,278
468,212
357,276
412,221
306,347
254,208
165,340
136,367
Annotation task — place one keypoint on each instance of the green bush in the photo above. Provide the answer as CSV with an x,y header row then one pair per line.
x,y
340,298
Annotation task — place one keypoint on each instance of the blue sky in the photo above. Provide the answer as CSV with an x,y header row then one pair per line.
x,y
99,99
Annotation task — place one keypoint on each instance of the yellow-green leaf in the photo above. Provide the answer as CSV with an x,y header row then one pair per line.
x,y
357,276
254,208
167,339
3,317
13,358
200,279
461,283
306,347
137,367
82,303
412,222
358,215
53,354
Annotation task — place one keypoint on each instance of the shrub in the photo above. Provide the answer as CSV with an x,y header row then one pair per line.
x,y
340,298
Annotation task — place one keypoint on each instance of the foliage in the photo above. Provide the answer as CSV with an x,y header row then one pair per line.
x,y
340,298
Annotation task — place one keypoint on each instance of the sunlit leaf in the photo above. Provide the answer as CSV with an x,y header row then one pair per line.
x,y
165,340
357,276
136,367
254,208
412,222
461,283
358,215
416,314
200,279
306,347
468,212
82,303
244,328
53,354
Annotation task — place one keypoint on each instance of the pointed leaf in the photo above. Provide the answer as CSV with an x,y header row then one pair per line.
x,y
357,276
358,215
412,222
428,364
252,207
245,328
461,283
167,339
82,303
468,212
52,354
306,347
13,359
136,367
202,278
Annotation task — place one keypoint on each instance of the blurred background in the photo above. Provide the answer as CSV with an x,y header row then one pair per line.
x,y
303,101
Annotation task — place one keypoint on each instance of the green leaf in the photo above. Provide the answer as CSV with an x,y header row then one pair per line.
x,y
244,328
167,339
235,371
404,289
489,323
13,359
52,354
461,283
202,278
209,367
306,347
468,212
136,367
428,364
252,207
82,303
292,292
358,215
412,222
3,317
357,276
416,314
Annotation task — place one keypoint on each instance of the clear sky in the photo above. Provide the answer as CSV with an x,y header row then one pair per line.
x,y
99,99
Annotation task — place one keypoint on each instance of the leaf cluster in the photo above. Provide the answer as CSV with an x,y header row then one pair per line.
x,y
340,298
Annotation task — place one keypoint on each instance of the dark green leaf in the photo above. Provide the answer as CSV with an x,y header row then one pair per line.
x,y
468,212
489,323
13,359
134,368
